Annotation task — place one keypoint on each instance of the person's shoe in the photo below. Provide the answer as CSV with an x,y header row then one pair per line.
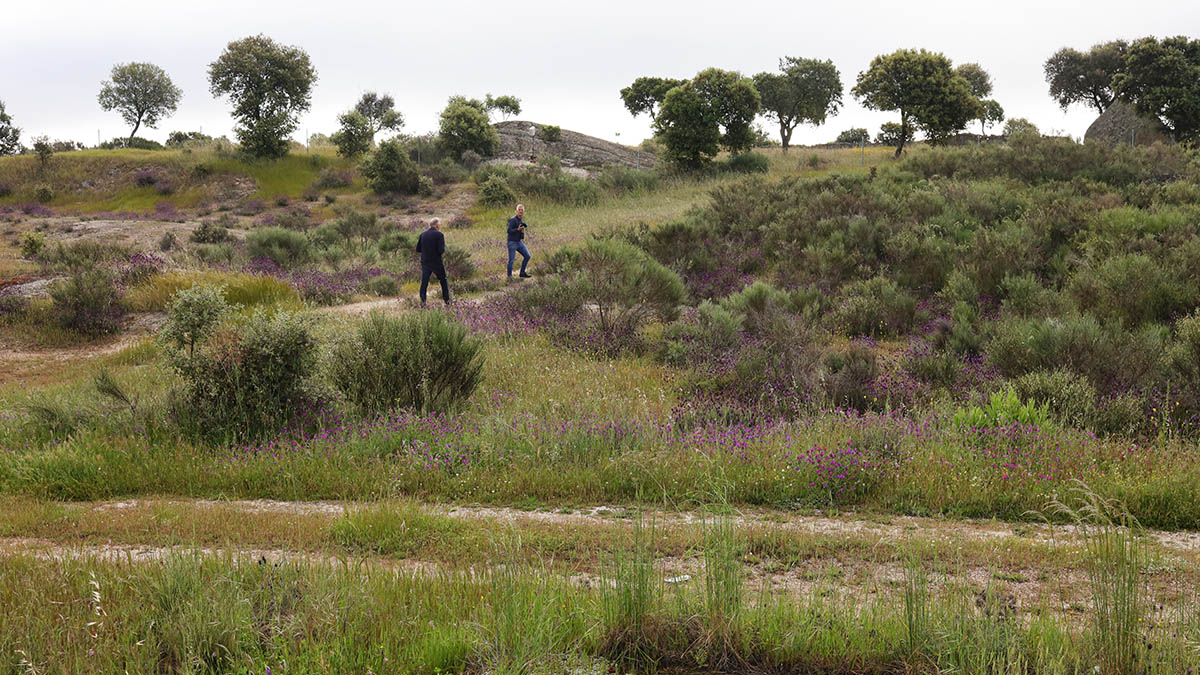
x,y
526,276
422,305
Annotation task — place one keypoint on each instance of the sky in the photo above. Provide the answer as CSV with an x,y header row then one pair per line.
x,y
566,61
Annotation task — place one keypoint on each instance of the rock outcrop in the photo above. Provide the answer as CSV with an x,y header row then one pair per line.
x,y
1120,123
521,142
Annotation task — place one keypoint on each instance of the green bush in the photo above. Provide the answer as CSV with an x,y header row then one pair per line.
x,y
850,376
624,180
394,241
389,170
285,247
458,263
748,162
212,232
32,244
496,192
421,361
250,379
549,133
877,307
626,285
551,182
384,286
44,194
192,315
88,302
1069,397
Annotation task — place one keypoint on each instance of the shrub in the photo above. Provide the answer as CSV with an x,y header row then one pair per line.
x,y
13,306
192,315
251,207
460,222
32,245
549,133
1131,288
446,172
82,254
389,170
877,307
626,285
168,241
6,189
748,162
297,218
421,361
214,253
334,178
458,263
248,380
44,194
1069,397
395,240
384,286
88,302
145,177
210,232
284,247
624,180
496,192
850,375
164,188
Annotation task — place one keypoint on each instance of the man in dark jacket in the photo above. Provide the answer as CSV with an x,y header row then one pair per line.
x,y
516,241
431,245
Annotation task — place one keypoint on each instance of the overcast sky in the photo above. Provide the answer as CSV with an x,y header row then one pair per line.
x,y
566,61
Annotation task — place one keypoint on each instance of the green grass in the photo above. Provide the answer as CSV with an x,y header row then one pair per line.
x,y
220,613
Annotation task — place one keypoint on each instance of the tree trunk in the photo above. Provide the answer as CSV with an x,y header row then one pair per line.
x,y
785,135
903,133
133,133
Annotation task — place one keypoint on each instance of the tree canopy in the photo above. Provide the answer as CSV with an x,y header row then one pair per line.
x,y
977,79
923,87
646,94
379,112
1162,78
735,101
1078,77
269,85
464,125
506,104
142,93
10,136
713,110
806,90
354,138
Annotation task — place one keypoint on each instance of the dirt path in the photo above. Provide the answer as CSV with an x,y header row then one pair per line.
x,y
881,528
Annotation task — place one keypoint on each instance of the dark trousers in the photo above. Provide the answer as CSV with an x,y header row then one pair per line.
x,y
440,270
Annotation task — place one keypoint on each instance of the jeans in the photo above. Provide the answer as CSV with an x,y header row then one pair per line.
x,y
440,270
513,248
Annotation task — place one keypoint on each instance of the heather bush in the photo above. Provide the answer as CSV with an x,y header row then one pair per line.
x,y
284,247
248,379
460,222
421,361
145,177
13,306
88,302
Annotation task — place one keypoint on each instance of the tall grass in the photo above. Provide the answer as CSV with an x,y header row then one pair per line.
x,y
196,613
1116,551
